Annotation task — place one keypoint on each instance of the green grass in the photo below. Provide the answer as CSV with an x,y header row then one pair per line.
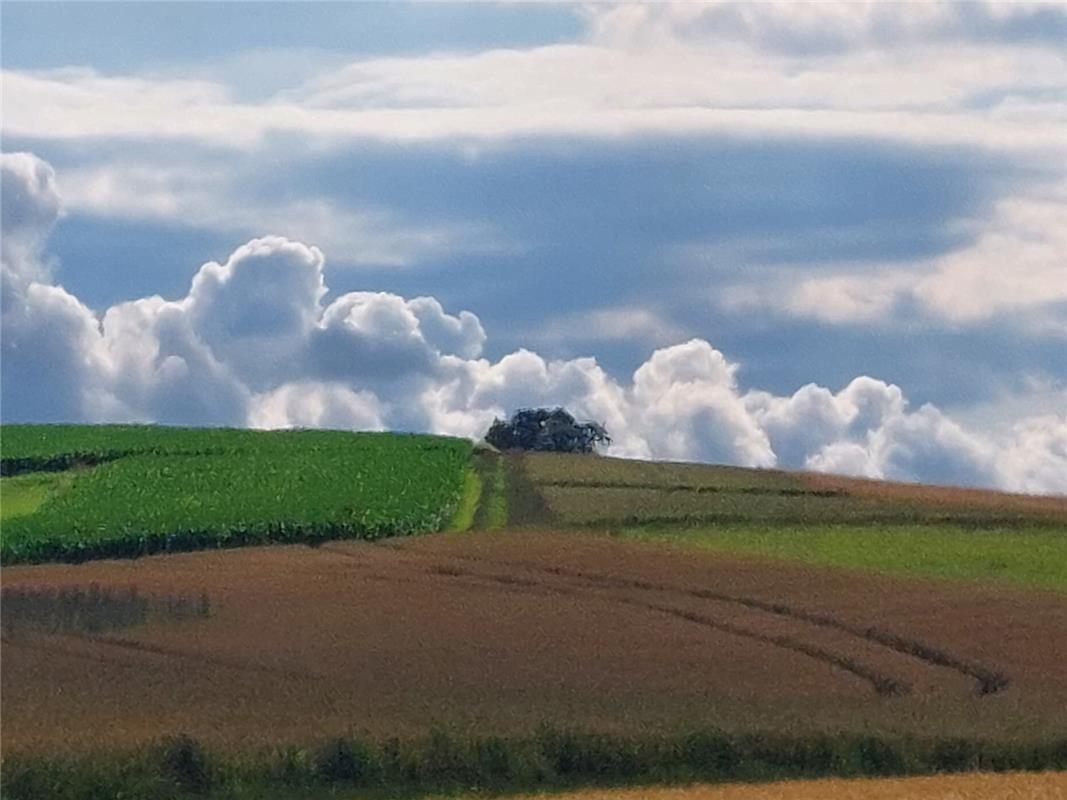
x,y
24,494
468,502
1030,558
158,489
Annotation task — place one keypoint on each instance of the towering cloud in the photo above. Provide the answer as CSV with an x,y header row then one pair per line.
x,y
256,342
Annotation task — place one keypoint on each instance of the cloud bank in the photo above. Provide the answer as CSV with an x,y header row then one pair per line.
x,y
256,341
855,70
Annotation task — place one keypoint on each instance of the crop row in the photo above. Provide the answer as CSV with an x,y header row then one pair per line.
x,y
593,470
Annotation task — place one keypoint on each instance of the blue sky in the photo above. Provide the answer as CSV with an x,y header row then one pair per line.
x,y
813,193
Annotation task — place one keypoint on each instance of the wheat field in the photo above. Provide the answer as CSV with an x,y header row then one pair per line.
x,y
985,786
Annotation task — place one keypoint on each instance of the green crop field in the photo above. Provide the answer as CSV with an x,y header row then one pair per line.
x,y
131,490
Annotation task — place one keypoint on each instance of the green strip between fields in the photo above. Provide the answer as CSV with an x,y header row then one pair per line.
x,y
23,494
463,519
1028,558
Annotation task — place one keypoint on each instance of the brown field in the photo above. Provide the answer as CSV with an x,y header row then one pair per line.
x,y
500,631
591,489
1017,786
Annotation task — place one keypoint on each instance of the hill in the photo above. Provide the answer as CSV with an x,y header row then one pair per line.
x,y
587,620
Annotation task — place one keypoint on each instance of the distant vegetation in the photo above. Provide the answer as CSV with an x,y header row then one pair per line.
x,y
132,490
547,430
92,609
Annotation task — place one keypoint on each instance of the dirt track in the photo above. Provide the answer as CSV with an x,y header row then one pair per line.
x,y
502,631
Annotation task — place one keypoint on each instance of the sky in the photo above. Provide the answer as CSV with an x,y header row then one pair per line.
x,y
826,236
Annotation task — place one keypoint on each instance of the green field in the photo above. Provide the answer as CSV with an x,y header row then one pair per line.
x,y
140,489
894,529
1031,558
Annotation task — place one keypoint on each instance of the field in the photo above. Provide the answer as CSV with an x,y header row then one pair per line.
x,y
505,631
1026,557
588,621
145,490
611,492
1014,786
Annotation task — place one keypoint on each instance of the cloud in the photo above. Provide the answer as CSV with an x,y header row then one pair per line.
x,y
219,196
46,335
31,208
254,342
1036,458
608,324
830,27
1013,268
871,70
316,405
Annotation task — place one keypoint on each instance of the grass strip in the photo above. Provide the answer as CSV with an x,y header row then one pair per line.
x,y
550,759
467,507
1031,558
24,494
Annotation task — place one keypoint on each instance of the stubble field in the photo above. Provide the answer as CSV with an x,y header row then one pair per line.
x,y
1014,786
502,632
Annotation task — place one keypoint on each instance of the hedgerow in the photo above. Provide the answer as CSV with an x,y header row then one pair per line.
x,y
551,758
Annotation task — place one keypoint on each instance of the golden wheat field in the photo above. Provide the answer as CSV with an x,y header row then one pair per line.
x,y
1014,786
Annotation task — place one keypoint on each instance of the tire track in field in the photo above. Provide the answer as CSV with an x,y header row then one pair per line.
x,y
882,683
198,659
53,648
987,680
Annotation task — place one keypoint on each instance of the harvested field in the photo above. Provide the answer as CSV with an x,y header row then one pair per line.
x,y
1016,786
592,490
498,632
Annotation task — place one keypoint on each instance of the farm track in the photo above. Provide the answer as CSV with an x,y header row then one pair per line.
x,y
694,488
988,680
107,649
882,683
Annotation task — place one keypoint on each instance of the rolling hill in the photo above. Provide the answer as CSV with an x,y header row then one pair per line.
x,y
571,619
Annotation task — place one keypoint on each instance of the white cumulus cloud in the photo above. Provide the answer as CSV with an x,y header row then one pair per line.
x,y
255,342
